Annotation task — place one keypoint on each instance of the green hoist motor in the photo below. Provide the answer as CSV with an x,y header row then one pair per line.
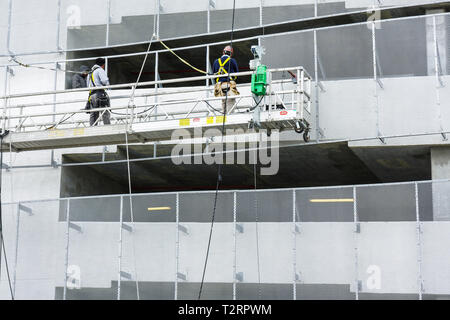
x,y
259,81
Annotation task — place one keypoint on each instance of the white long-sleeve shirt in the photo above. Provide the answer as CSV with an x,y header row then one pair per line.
x,y
100,77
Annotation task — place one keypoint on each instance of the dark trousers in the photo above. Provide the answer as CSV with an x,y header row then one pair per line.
x,y
99,100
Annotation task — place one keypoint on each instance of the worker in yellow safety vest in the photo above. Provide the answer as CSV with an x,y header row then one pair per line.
x,y
226,86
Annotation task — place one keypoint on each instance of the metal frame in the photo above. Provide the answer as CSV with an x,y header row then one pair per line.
x,y
177,245
234,245
439,82
294,247
267,25
66,263
356,232
203,153
68,225
119,273
210,43
376,84
419,243
230,191
26,121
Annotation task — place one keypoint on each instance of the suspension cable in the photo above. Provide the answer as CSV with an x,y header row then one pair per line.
x,y
219,169
131,103
256,224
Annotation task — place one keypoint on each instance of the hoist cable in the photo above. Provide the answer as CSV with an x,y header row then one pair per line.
x,y
219,169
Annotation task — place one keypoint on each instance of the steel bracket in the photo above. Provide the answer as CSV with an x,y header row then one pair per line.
x,y
183,229
125,275
25,209
5,166
127,227
181,276
75,227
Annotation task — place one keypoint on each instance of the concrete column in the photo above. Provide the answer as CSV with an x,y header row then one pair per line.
x,y
440,169
436,34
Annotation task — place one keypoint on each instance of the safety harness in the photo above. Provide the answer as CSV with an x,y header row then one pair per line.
x,y
93,83
222,68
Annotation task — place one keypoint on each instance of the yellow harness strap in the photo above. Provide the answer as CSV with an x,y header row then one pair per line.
x,y
93,83
221,67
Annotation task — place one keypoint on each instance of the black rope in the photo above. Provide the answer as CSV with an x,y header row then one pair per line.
x,y
255,199
141,112
2,244
219,169
21,64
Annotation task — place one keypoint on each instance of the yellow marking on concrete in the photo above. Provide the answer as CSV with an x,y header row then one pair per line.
x,y
56,133
221,119
78,132
185,122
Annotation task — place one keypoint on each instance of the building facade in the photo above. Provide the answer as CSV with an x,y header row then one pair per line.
x,y
359,212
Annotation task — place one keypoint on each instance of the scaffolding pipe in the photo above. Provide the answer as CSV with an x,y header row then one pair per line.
x,y
142,95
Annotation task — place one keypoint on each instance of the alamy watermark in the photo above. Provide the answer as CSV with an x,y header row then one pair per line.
x,y
241,147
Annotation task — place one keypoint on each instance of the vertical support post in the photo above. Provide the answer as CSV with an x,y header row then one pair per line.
x,y
261,13
316,80
438,80
158,10
419,242
375,81
8,38
208,17
119,274
302,90
157,17
156,79
66,264
260,20
58,32
299,105
294,247
356,224
5,101
177,245
108,21
208,30
234,246
55,86
207,69
17,249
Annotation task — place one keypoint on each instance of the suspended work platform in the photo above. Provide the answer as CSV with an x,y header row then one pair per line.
x,y
286,106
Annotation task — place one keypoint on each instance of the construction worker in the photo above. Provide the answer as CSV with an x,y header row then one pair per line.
x,y
226,86
98,98
79,79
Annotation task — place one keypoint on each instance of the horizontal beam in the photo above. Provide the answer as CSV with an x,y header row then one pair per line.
x,y
147,83
310,23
